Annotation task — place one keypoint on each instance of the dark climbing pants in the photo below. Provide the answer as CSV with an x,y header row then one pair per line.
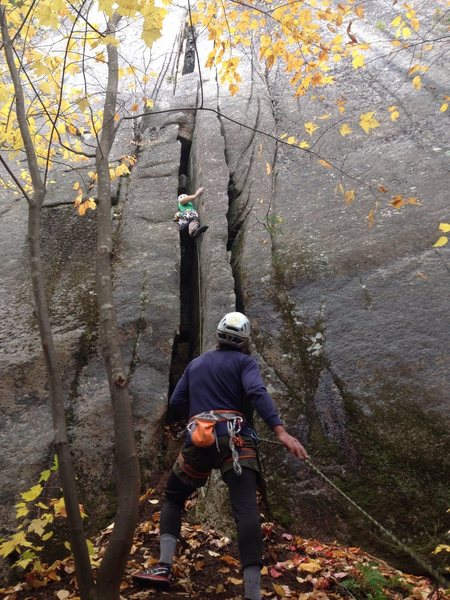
x,y
242,490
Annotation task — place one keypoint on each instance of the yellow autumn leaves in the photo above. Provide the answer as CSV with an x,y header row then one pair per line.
x,y
296,42
367,122
405,24
83,204
443,240
64,113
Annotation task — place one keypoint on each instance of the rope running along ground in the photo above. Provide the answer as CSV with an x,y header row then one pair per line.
x,y
433,573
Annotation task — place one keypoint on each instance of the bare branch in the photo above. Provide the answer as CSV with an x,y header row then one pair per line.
x,y
14,178
30,151
194,41
58,110
221,115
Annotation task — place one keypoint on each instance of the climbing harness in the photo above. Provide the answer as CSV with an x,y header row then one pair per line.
x,y
201,429
434,574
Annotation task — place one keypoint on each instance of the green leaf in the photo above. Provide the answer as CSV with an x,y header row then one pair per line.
x,y
45,475
23,562
13,543
91,547
32,493
441,241
37,526
21,510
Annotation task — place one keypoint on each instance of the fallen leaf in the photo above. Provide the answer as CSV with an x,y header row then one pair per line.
x,y
230,560
312,566
279,590
310,127
349,196
397,201
421,275
345,129
441,242
325,163
367,121
417,82
340,575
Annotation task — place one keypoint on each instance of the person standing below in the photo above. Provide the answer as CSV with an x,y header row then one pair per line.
x,y
218,392
187,217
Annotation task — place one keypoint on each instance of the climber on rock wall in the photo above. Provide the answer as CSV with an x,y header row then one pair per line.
x,y
187,216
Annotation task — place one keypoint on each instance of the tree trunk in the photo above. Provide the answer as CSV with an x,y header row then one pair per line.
x,y
66,470
118,549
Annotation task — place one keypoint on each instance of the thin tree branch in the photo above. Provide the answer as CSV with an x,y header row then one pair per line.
x,y
13,39
33,87
36,179
261,132
194,41
58,110
88,23
14,178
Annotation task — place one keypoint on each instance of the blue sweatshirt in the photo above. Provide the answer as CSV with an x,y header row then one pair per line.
x,y
227,380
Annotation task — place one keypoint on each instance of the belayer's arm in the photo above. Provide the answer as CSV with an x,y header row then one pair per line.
x,y
265,407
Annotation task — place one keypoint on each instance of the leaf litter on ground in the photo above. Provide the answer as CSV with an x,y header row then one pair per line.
x,y
207,566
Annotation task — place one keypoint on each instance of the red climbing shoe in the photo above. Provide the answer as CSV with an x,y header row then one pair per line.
x,y
159,576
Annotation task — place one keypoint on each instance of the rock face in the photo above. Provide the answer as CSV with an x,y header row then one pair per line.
x,y
348,321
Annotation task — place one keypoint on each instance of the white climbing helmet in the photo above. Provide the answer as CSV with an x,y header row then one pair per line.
x,y
234,329
181,196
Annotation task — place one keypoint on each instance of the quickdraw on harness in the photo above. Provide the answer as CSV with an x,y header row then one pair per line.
x,y
202,427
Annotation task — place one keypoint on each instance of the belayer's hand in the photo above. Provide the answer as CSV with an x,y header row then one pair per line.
x,y
290,442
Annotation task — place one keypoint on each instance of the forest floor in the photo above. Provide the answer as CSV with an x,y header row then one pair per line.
x,y
207,566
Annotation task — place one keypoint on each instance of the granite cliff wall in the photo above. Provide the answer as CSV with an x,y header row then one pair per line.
x,y
347,321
